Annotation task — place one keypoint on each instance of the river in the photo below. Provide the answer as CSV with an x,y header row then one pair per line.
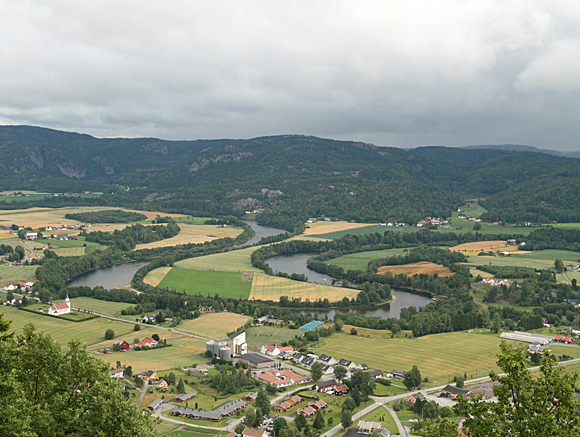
x,y
261,231
297,264
109,277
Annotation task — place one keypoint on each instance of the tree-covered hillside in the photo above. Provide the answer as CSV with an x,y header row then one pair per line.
x,y
291,177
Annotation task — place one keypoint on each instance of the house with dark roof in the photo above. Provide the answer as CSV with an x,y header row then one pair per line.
x,y
398,374
325,386
376,374
256,361
327,369
452,391
327,360
307,362
346,363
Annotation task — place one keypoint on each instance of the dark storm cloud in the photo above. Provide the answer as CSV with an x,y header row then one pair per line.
x,y
392,73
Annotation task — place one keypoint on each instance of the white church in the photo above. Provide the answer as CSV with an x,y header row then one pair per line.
x,y
59,309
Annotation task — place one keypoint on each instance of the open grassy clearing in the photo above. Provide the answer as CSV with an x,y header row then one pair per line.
x,y
90,331
511,261
366,229
40,217
194,233
260,335
483,274
552,255
233,261
154,277
17,273
100,306
384,417
186,351
207,282
266,287
360,261
214,325
70,251
478,246
419,268
65,243
438,357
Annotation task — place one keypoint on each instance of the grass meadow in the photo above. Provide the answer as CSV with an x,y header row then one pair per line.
x,y
367,229
70,251
185,351
206,282
417,268
360,261
266,287
439,357
552,255
100,306
260,335
214,325
91,331
17,273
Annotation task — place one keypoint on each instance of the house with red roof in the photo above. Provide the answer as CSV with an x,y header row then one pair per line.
x,y
281,378
59,309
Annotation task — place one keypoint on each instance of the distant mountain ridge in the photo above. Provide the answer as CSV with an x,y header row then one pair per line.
x,y
292,177
522,148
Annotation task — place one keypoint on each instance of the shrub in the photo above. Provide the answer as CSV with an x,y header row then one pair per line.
x,y
109,334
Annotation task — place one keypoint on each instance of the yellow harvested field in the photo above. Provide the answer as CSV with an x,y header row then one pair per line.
x,y
419,268
194,234
214,325
40,217
478,246
325,227
154,277
265,287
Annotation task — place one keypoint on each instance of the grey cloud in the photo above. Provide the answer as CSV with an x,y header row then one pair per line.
x,y
392,73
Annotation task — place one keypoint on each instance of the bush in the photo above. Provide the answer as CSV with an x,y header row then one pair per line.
x,y
109,334
137,327
353,331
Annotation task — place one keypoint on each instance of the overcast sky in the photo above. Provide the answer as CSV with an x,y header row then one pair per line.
x,y
392,73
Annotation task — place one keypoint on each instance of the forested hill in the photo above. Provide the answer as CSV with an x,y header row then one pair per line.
x,y
293,177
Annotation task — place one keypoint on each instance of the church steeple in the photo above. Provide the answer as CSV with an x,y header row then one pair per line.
x,y
67,299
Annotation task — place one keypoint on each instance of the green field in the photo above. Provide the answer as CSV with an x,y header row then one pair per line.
x,y
32,195
233,261
194,220
438,357
66,243
509,261
204,282
360,261
17,273
101,306
366,230
260,335
90,332
552,255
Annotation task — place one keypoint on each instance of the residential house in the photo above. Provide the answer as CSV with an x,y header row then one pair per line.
x,y
325,386
148,319
349,365
162,385
117,373
307,411
576,330
294,400
150,342
398,374
362,367
251,432
327,370
307,362
536,348
318,405
185,397
283,406
297,358
327,360
563,339
122,344
377,374
341,390
155,404
452,391
365,427
149,375
411,399
251,397
270,350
